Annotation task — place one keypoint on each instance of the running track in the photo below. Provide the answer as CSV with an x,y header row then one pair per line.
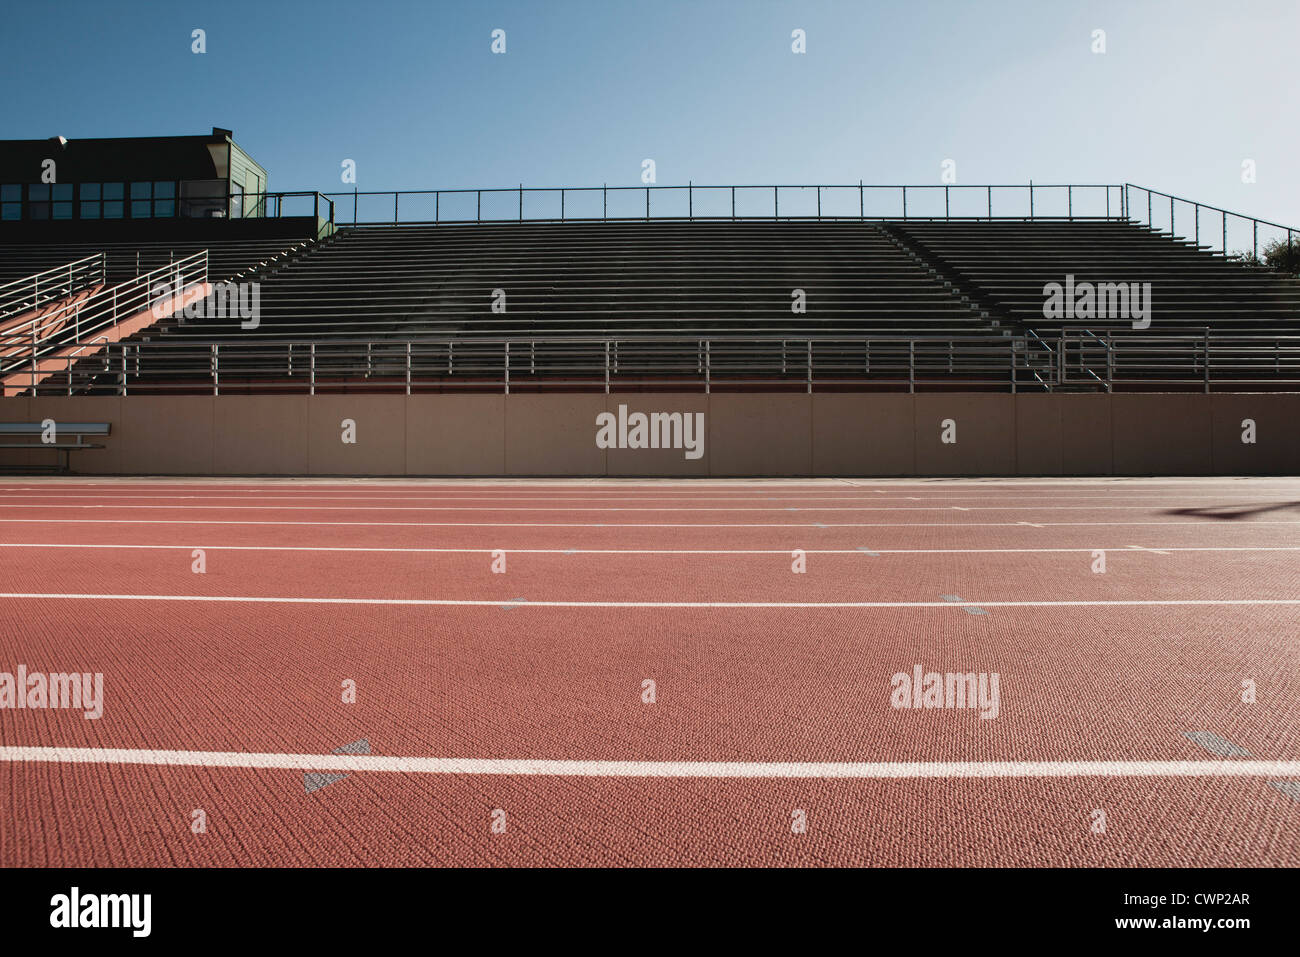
x,y
516,699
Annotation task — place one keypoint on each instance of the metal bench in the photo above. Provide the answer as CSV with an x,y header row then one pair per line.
x,y
62,430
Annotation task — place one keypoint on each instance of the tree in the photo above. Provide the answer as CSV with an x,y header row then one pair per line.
x,y
1277,254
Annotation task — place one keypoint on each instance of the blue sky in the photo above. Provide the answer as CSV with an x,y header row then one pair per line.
x,y
710,90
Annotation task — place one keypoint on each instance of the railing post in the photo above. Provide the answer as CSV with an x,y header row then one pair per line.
x,y
607,367
561,204
1110,362
1069,203
437,205
708,370
408,366
311,364
216,369
990,192
911,365
861,209
394,207
604,201
905,202
819,204
507,382
1225,235
1031,200
647,202
733,202
1012,344
478,206
810,368
1254,241
945,203
1150,223
521,202
1207,360
776,202
124,370
1196,220
690,199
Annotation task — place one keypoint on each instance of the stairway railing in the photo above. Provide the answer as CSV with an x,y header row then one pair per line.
x,y
1145,213
50,285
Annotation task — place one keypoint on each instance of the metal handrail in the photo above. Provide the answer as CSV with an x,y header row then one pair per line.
x,y
608,364
267,205
690,190
42,335
1292,232
31,292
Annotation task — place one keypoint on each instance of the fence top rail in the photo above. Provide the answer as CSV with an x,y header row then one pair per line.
x,y
691,185
1197,339
1217,209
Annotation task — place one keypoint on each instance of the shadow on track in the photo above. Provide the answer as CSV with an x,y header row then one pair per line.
x,y
1233,513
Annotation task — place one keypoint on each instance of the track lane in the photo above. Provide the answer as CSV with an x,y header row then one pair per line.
x,y
1130,574
734,684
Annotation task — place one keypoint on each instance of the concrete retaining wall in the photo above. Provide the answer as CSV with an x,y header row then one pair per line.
x,y
744,434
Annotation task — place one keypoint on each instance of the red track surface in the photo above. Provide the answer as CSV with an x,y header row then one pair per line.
x,y
776,677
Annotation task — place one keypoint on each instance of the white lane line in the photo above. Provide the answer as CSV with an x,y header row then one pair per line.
x,y
684,496
860,550
360,763
533,603
218,521
334,483
624,508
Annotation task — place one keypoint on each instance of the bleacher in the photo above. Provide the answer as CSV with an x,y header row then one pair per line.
x,y
602,279
885,303
1004,265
